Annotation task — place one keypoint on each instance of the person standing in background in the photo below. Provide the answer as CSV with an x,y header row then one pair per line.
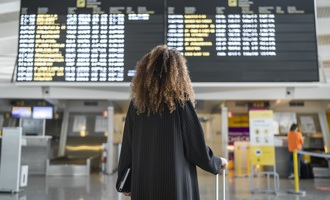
x,y
163,140
295,142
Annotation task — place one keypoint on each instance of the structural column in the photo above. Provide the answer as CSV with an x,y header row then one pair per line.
x,y
64,133
325,130
224,117
110,149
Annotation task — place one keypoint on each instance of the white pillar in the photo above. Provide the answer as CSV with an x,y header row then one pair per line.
x,y
110,150
224,117
325,130
64,133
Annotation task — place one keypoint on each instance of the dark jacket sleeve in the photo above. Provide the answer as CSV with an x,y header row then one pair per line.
x,y
196,150
125,159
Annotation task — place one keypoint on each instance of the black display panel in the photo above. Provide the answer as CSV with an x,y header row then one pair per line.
x,y
223,41
21,112
245,41
42,112
86,41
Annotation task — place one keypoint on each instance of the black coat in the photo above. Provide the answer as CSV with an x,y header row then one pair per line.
x,y
163,151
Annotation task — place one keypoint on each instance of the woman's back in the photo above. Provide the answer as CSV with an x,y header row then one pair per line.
x,y
165,150
158,157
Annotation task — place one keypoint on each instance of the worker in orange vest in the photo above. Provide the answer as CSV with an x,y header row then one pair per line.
x,y
295,142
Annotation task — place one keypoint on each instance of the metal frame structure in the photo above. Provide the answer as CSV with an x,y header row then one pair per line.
x,y
268,174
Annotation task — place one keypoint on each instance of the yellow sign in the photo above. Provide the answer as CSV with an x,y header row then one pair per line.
x,y
81,3
261,114
263,155
238,121
262,137
232,3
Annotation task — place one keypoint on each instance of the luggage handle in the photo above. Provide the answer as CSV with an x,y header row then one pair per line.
x,y
217,185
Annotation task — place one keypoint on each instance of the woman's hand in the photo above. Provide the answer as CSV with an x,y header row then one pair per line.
x,y
127,193
224,163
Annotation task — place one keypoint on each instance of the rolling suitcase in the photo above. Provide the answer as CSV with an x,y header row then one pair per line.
x,y
306,171
223,186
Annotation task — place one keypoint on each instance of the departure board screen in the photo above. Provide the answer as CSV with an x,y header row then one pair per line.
x,y
245,40
223,41
86,41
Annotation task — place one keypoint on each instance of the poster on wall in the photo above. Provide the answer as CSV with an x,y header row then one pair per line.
x,y
238,129
283,120
101,124
262,137
307,124
2,119
79,123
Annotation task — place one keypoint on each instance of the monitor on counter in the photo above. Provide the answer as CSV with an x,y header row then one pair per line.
x,y
21,112
42,112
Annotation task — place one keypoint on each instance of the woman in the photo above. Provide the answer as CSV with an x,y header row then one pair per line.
x,y
163,140
295,142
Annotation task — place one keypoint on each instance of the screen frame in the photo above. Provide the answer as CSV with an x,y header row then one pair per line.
x,y
197,84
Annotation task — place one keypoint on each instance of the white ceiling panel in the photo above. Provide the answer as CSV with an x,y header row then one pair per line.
x,y
323,39
10,6
8,17
323,12
323,26
8,29
324,52
322,3
8,45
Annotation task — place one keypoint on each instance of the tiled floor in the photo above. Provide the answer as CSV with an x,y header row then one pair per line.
x,y
100,187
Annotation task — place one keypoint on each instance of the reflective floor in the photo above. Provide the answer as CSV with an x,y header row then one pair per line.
x,y
101,187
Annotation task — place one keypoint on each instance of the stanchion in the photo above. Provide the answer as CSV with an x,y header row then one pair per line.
x,y
248,160
239,164
242,166
296,176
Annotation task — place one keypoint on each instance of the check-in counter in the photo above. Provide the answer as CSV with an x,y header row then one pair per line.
x,y
35,152
282,156
312,142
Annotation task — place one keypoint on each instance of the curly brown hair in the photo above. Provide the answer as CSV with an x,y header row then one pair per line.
x,y
161,78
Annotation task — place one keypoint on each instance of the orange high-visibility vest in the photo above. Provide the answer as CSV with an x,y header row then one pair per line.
x,y
295,141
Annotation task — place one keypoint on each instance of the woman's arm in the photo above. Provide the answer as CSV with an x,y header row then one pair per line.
x,y
196,150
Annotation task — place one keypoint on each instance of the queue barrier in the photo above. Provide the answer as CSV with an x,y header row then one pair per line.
x,y
242,158
295,169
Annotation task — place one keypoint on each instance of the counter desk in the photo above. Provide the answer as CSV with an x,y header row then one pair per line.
x,y
35,152
282,156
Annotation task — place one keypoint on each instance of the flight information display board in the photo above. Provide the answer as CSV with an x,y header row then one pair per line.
x,y
86,41
223,41
245,40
